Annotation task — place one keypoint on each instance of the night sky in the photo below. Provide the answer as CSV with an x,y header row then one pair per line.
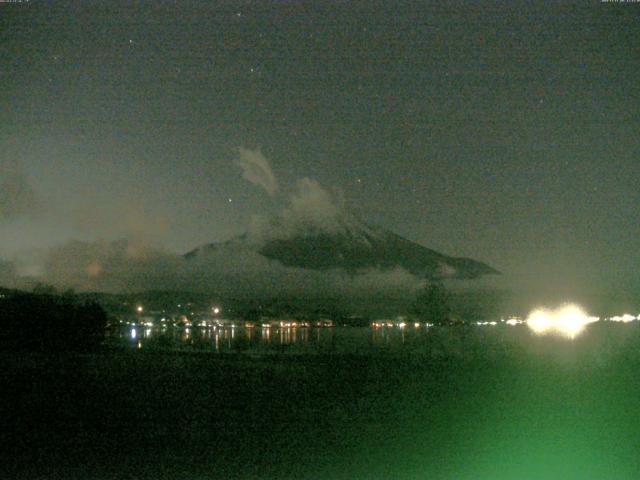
x,y
501,131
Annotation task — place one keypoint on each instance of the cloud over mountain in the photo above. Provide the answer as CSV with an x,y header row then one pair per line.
x,y
313,246
123,266
17,197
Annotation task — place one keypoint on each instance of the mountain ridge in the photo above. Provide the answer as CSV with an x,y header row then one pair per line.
x,y
352,246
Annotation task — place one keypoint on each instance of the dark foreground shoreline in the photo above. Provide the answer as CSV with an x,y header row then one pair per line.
x,y
145,415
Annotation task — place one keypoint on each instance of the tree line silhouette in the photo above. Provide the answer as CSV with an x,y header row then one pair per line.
x,y
45,320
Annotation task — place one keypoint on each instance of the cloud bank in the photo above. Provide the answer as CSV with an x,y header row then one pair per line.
x,y
236,268
17,197
123,266
8,274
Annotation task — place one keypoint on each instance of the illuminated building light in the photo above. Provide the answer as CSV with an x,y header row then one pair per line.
x,y
569,321
626,318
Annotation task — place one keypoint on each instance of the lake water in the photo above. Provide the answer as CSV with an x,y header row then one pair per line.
x,y
478,402
307,340
465,341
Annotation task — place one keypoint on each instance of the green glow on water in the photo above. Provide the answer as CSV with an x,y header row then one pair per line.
x,y
468,403
535,416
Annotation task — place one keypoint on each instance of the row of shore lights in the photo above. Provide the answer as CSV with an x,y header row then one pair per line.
x,y
568,320
215,310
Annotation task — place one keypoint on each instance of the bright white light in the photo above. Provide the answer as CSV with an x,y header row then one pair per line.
x,y
568,320
402,324
513,321
216,310
139,309
133,333
623,318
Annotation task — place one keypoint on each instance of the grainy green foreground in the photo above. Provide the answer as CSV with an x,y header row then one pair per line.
x,y
503,413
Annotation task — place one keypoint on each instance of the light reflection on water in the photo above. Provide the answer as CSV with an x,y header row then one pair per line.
x,y
359,340
222,339
228,339
277,339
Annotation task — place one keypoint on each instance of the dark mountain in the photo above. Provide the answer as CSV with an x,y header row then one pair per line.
x,y
353,246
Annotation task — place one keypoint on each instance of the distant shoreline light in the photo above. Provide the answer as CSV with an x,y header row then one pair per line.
x,y
568,320
624,318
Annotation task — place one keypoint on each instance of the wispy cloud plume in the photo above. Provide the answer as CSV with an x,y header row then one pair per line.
x,y
311,205
256,169
309,208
